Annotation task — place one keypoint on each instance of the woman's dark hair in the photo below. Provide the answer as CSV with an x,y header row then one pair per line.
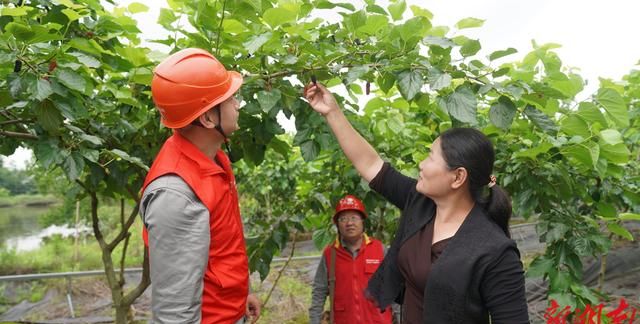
x,y
471,149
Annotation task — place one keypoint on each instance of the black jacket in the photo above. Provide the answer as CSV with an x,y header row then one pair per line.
x,y
478,274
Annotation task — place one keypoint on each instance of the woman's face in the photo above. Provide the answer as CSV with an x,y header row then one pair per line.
x,y
435,178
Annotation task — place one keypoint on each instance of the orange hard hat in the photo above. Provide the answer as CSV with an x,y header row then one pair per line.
x,y
349,202
188,83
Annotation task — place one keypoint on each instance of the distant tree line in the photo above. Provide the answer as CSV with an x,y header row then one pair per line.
x,y
15,182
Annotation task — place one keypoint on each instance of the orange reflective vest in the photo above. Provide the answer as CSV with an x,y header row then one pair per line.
x,y
352,276
226,279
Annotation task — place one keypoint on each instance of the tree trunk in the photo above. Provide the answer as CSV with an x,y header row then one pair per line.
x,y
121,302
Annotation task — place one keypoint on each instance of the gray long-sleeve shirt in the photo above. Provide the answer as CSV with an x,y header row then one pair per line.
x,y
178,227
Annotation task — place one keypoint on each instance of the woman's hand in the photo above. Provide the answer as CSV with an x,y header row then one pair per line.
x,y
320,99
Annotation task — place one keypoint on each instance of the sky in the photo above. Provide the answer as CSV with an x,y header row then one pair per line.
x,y
599,38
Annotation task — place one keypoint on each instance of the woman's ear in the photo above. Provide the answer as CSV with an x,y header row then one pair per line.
x,y
460,177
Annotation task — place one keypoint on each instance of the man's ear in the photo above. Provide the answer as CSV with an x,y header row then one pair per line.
x,y
207,120
461,175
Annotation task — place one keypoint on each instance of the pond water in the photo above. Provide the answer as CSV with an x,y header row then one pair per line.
x,y
21,231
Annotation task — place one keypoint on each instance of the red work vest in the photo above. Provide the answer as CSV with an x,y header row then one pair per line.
x,y
226,280
352,276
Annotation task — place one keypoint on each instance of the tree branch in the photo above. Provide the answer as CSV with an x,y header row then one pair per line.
x,y
275,283
14,121
19,135
123,257
125,228
224,5
144,281
95,221
106,249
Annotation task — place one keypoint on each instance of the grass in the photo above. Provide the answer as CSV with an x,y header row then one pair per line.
x,y
289,302
15,292
27,199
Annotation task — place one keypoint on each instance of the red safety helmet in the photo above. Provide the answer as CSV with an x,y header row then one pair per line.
x,y
349,202
188,83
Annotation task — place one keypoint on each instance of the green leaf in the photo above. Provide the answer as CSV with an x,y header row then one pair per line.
x,y
374,24
585,154
69,4
86,45
397,9
20,31
539,267
233,26
415,27
616,154
469,23
498,54
73,166
48,116
502,112
575,125
386,81
591,113
438,80
135,55
500,72
71,14
471,47
86,60
166,18
356,73
254,43
373,8
15,12
629,216
43,89
614,105
47,153
125,156
541,120
95,140
461,104
71,79
534,151
611,136
309,150
91,155
355,20
438,41
620,231
137,7
410,83
268,99
421,12
275,17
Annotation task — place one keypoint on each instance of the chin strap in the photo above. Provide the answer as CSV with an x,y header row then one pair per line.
x,y
218,127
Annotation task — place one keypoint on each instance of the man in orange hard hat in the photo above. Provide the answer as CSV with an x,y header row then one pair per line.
x,y
345,269
192,225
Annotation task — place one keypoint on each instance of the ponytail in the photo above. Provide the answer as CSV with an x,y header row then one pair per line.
x,y
498,207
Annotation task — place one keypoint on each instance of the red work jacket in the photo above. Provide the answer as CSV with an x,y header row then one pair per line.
x,y
226,279
352,276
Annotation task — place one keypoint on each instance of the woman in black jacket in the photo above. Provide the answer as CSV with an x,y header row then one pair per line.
x,y
451,260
